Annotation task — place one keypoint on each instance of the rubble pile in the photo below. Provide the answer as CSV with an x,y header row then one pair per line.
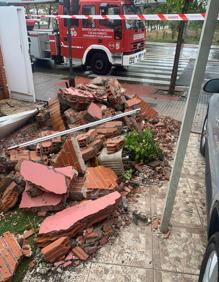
x,y
76,182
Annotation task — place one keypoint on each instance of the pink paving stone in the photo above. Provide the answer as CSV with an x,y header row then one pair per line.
x,y
46,178
44,200
66,218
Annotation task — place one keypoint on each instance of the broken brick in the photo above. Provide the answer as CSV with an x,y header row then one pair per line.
x,y
83,139
21,155
101,177
77,99
88,153
92,134
104,240
78,190
26,249
97,145
58,263
70,155
91,250
55,115
28,233
67,263
113,145
94,112
146,110
107,228
10,196
72,220
80,253
10,255
69,257
115,95
54,251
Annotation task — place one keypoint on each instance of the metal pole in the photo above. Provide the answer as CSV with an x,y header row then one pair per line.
x,y
71,73
192,100
72,130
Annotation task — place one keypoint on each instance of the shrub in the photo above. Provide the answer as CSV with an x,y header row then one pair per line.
x,y
127,175
141,147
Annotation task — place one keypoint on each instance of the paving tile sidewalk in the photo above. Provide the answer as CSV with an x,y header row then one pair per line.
x,y
138,254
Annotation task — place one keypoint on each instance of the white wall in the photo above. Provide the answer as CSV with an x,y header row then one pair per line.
x,y
15,50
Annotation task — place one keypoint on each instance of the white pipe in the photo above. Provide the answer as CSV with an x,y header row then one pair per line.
x,y
72,130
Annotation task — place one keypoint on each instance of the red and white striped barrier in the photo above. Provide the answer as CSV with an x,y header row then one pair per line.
x,y
141,17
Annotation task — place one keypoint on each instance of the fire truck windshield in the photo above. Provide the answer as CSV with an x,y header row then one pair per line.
x,y
131,9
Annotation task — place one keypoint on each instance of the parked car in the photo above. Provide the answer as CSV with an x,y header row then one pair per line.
x,y
209,148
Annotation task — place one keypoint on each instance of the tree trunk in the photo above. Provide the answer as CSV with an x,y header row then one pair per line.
x,y
182,25
50,11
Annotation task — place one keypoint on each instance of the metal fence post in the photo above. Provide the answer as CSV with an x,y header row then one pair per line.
x,y
192,100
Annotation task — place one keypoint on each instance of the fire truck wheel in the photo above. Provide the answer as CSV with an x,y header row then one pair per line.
x,y
100,64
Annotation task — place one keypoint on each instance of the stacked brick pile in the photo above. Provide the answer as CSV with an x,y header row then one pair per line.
x,y
114,145
77,99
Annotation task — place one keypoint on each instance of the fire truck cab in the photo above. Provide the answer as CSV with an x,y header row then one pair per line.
x,y
100,44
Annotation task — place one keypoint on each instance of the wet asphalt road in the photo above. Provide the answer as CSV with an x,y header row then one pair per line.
x,y
154,70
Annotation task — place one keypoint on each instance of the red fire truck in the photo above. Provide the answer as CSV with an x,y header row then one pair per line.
x,y
99,44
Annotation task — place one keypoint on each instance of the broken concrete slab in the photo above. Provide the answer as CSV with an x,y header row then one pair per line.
x,y
44,202
73,220
45,178
56,250
10,255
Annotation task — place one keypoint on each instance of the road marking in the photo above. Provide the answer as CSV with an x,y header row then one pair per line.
x,y
142,80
